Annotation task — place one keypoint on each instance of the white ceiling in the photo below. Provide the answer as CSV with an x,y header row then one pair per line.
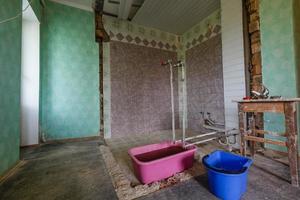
x,y
175,16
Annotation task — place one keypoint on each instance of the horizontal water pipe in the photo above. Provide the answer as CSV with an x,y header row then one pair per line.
x,y
201,135
209,139
217,129
202,141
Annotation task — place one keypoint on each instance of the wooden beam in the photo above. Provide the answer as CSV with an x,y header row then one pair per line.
x,y
263,107
264,140
118,3
101,89
263,132
124,9
99,5
101,34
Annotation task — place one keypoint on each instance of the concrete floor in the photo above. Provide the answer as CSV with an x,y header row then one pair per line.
x,y
261,186
60,171
76,171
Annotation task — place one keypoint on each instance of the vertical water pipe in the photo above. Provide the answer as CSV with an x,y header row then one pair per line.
x,y
184,106
172,101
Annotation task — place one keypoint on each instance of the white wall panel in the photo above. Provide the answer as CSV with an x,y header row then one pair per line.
x,y
30,78
233,58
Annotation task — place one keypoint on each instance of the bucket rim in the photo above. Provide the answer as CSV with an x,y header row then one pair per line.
x,y
222,171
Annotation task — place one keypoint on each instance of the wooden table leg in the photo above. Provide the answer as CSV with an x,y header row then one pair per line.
x,y
252,128
292,144
243,127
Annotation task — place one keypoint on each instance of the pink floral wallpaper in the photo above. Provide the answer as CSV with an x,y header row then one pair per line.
x,y
204,82
140,89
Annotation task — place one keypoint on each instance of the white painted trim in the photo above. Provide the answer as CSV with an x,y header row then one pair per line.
x,y
234,78
75,5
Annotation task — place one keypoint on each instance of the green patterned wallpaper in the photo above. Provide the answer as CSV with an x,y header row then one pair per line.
x,y
69,74
10,67
278,56
296,9
297,38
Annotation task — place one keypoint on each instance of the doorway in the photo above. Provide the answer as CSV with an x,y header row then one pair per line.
x,y
30,77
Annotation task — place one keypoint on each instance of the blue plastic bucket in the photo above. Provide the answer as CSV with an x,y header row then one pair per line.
x,y
227,174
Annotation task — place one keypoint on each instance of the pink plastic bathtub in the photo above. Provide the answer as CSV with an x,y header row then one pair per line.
x,y
159,161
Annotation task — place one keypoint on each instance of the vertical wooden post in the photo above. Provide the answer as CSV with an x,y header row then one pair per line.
x,y
243,127
101,88
292,144
101,36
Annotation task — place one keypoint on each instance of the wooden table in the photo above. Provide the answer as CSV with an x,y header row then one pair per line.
x,y
285,106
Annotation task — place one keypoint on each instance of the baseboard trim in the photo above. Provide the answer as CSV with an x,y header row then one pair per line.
x,y
73,140
12,171
32,145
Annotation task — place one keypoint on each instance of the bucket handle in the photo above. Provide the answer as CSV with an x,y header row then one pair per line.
x,y
248,163
245,167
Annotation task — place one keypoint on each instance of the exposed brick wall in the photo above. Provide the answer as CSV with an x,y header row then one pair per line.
x,y
255,43
255,52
